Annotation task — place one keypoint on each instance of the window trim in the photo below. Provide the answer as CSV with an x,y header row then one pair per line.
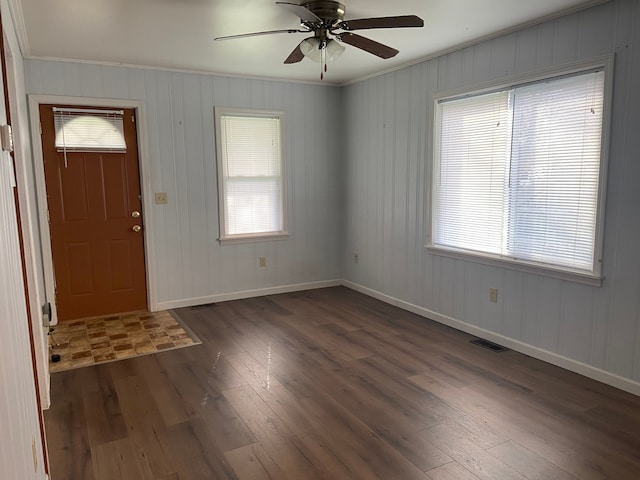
x,y
604,63
224,238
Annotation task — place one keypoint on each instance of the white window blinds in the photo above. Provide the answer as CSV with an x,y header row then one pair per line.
x,y
80,129
250,170
471,176
516,172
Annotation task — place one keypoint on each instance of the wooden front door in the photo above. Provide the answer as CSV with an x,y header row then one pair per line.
x,y
94,212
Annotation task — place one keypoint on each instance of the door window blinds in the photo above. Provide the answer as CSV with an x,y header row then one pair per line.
x,y
80,129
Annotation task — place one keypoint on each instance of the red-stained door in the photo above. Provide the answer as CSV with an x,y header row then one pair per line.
x,y
95,210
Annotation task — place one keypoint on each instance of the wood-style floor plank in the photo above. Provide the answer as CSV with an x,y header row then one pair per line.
x,y
522,427
118,459
144,422
527,463
460,445
334,385
252,462
68,444
451,471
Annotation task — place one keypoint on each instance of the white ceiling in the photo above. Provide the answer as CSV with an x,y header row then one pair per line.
x,y
179,33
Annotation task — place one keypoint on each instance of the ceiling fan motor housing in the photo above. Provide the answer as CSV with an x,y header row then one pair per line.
x,y
330,12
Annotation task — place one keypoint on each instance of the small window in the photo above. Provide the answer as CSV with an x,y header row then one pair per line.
x,y
250,175
516,174
80,130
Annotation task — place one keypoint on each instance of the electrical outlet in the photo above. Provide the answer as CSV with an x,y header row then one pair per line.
x,y
161,198
493,295
355,258
263,261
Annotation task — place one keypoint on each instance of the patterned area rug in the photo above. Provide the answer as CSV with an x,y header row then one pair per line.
x,y
81,343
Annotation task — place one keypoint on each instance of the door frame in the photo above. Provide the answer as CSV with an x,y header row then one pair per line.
x,y
144,165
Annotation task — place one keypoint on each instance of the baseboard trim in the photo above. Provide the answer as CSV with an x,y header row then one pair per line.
x,y
567,363
259,292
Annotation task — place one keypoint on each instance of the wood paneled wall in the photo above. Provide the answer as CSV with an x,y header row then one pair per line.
x,y
387,145
189,264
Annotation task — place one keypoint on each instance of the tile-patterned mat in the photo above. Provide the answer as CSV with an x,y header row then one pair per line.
x,y
81,343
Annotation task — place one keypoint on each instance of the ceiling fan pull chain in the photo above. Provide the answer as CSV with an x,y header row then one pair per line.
x,y
324,56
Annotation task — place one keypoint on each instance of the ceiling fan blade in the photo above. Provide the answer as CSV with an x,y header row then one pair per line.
x,y
367,45
301,12
382,22
257,34
295,56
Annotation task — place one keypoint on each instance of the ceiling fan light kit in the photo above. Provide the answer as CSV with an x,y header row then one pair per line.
x,y
324,19
312,49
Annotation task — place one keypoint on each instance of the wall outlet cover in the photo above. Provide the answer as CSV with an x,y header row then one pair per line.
x,y
493,295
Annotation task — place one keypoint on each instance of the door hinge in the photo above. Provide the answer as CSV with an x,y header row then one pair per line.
x,y
40,128
48,218
133,119
6,135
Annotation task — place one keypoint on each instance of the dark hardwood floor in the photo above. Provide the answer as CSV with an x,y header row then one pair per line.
x,y
331,384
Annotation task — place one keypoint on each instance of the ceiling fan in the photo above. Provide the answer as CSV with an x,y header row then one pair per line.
x,y
324,18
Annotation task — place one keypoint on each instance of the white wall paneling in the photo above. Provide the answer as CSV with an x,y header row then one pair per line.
x,y
28,206
18,404
592,330
21,449
189,265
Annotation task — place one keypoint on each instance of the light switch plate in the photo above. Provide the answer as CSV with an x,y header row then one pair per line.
x,y
161,198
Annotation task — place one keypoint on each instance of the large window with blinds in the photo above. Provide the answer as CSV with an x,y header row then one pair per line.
x,y
251,181
517,175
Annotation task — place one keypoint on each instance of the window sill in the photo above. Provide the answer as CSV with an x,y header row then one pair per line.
x,y
260,237
495,261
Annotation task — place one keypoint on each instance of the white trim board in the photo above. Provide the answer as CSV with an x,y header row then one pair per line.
x,y
259,292
546,356
145,182
17,17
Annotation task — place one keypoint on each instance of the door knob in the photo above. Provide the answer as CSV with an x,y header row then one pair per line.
x,y
135,214
136,228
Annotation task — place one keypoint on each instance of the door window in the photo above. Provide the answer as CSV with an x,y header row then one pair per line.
x,y
82,130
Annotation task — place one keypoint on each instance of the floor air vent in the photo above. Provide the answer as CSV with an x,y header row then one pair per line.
x,y
198,307
494,347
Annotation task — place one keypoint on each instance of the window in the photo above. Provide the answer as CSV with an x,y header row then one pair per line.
x,y
250,175
80,129
516,175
